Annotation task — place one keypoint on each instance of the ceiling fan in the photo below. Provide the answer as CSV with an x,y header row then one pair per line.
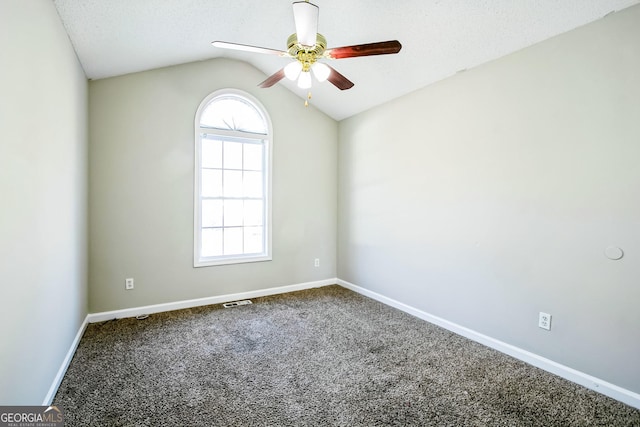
x,y
307,46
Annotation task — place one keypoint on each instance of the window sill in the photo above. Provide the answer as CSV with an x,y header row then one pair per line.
x,y
211,262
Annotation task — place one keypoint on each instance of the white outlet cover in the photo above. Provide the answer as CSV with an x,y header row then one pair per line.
x,y
544,321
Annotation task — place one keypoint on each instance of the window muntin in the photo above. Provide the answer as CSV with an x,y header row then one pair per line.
x,y
232,183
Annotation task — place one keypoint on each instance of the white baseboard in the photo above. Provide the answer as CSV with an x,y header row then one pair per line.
x,y
178,305
623,395
65,364
588,381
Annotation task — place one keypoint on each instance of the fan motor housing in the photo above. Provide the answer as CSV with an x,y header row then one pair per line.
x,y
307,55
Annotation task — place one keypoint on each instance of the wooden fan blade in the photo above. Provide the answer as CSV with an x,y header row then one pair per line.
x,y
273,79
305,15
247,48
379,48
338,80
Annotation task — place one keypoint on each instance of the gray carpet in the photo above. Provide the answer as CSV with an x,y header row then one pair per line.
x,y
322,357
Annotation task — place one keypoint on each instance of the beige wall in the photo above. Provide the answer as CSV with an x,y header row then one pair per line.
x,y
491,196
141,187
43,203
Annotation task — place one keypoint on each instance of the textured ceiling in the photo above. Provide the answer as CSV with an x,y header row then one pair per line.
x,y
439,37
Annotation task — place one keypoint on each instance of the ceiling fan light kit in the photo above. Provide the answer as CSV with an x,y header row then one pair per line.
x,y
306,60
321,71
292,71
304,81
306,46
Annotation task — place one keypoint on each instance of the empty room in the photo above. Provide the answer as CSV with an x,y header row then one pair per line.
x,y
317,212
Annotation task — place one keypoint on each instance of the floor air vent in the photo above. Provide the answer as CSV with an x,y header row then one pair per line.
x,y
236,303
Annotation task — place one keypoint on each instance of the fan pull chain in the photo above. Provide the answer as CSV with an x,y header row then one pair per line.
x,y
306,101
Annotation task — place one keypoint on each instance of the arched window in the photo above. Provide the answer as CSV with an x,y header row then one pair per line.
x,y
232,180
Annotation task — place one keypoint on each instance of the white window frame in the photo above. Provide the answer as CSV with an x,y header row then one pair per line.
x,y
198,260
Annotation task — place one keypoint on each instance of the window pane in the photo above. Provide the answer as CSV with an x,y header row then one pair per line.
x,y
233,113
252,184
211,183
253,240
211,242
232,155
232,183
233,241
233,213
212,213
253,212
211,153
253,157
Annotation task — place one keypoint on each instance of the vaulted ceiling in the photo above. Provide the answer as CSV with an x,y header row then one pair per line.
x,y
439,37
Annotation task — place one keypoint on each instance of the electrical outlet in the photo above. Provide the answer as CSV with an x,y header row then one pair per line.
x,y
317,262
128,284
544,321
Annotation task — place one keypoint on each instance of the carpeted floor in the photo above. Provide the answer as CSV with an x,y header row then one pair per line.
x,y
322,357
